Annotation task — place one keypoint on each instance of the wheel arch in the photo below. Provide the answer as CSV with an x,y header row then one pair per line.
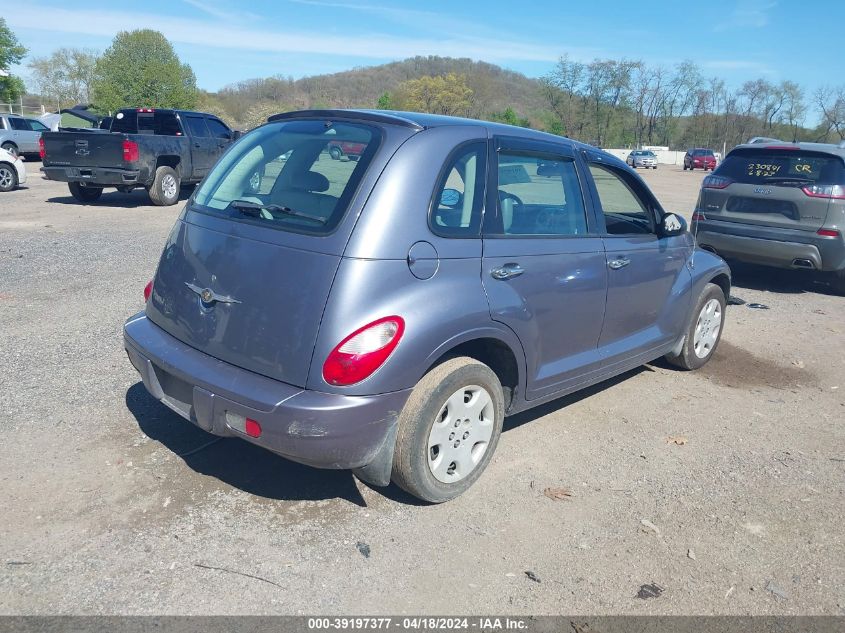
x,y
170,160
498,349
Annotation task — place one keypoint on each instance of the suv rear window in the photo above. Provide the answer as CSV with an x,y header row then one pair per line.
x,y
782,167
281,175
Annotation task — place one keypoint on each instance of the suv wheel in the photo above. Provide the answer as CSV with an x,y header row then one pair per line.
x,y
704,330
8,177
165,188
84,194
10,147
335,153
448,430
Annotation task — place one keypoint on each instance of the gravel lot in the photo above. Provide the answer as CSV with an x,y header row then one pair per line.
x,y
107,506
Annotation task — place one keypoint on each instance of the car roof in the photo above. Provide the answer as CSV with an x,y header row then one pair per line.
x,y
422,121
825,148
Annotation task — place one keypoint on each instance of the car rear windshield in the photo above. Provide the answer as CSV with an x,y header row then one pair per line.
x,y
782,166
702,152
282,175
157,122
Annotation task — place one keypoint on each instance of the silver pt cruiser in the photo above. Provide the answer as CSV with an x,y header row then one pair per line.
x,y
384,315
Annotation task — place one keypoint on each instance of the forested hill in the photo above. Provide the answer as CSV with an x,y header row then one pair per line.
x,y
493,89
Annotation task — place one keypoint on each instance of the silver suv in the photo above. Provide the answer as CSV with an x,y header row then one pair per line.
x,y
20,135
778,204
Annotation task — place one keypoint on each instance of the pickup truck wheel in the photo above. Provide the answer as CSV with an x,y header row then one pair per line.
x,y
84,194
165,188
704,330
8,177
448,430
335,153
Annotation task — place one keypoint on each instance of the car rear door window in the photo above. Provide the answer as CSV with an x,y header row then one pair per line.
x,y
19,124
197,127
539,194
626,211
218,130
459,195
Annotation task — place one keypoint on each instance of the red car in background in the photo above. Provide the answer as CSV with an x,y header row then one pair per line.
x,y
700,158
339,149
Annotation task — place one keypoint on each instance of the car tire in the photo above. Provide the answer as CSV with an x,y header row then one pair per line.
x,y
704,330
335,153
165,188
441,446
84,194
10,147
8,177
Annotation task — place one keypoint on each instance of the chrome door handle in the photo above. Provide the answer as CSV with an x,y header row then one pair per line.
x,y
621,262
507,271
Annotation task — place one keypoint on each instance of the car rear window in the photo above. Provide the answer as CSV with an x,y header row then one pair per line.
x,y
782,166
702,152
281,175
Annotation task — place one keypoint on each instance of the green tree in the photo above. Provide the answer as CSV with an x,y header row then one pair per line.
x,y
141,68
11,52
509,116
65,77
385,102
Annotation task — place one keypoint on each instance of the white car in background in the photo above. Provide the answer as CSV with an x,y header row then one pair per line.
x,y
12,171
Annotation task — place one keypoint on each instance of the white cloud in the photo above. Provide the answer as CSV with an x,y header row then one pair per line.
x,y
748,14
107,23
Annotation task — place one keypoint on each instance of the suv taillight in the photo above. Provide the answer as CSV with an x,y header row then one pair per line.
x,y
130,151
361,353
715,182
42,153
836,192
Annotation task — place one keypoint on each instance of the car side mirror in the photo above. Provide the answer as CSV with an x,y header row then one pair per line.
x,y
450,198
672,225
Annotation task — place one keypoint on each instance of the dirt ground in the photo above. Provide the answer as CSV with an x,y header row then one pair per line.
x,y
724,487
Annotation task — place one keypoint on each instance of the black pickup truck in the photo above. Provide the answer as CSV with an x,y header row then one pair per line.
x,y
159,150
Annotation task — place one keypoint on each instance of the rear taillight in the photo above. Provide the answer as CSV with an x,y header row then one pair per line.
x,y
42,153
715,182
361,353
148,290
698,217
130,151
836,192
828,233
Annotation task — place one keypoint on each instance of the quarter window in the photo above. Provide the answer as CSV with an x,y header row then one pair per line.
x,y
624,211
459,196
539,194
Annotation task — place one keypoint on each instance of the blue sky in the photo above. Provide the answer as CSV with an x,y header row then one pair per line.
x,y
226,41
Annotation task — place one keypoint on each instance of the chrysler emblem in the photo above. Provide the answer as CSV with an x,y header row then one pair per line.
x,y
208,296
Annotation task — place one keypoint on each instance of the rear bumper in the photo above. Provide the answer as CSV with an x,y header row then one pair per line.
x,y
782,248
95,175
319,429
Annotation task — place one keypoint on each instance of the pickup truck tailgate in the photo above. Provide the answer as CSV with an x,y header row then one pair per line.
x,y
83,149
